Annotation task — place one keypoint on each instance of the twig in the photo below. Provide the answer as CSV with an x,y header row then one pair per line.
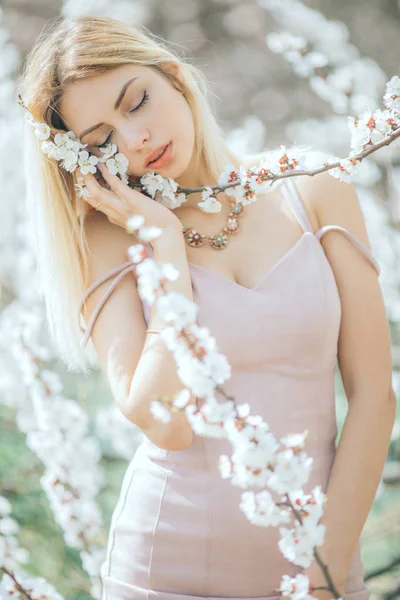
x,y
18,585
383,570
268,176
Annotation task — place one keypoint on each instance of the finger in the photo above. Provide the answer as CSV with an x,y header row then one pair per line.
x,y
105,201
100,180
91,195
94,189
117,186
98,193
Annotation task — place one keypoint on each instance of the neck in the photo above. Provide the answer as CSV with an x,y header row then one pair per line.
x,y
195,176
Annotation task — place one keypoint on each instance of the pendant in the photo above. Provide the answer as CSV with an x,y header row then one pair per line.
x,y
233,226
193,238
237,209
219,241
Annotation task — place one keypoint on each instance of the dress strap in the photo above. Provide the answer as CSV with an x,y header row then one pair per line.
x,y
295,202
120,271
290,191
356,242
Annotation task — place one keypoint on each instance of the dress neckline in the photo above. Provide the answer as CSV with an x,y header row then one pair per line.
x,y
269,272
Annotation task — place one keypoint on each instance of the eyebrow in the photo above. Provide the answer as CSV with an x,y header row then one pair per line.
x,y
116,106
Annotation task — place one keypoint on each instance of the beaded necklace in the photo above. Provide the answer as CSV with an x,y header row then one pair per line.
x,y
218,241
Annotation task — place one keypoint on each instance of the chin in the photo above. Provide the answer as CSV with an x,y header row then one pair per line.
x,y
176,170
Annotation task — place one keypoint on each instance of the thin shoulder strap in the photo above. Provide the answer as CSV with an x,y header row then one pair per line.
x,y
120,271
293,197
295,202
356,242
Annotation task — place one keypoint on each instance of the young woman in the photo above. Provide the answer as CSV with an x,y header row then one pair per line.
x,y
282,299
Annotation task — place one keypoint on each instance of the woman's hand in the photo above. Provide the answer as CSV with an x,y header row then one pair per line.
x,y
120,202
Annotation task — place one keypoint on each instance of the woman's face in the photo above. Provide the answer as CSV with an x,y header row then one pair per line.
x,y
138,116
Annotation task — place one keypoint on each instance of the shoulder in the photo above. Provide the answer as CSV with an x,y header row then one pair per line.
x,y
101,233
97,225
107,245
333,202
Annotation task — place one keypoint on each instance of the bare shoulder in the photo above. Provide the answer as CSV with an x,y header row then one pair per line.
x,y
119,330
107,249
334,202
107,242
364,355
107,246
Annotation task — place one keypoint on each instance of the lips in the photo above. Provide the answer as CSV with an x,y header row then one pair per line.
x,y
153,155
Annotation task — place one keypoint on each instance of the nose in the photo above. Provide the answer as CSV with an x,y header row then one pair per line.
x,y
136,143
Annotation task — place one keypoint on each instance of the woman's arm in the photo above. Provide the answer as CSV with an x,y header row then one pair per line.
x,y
138,366
156,374
364,357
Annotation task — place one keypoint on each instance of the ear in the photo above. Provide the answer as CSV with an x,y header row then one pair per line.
x,y
176,70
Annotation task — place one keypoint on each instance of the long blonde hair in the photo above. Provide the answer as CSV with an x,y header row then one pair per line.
x,y
67,50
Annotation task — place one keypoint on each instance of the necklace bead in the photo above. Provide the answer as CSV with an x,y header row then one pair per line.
x,y
220,240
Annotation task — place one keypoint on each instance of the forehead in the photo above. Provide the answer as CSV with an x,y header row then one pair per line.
x,y
86,101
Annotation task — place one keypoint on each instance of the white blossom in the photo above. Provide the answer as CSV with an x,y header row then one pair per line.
x,y
135,222
70,159
177,310
297,544
163,190
118,164
169,271
182,398
5,506
107,151
146,234
345,171
150,276
209,203
152,182
8,526
198,419
87,162
137,253
310,505
160,412
297,587
261,510
295,440
42,131
391,98
195,375
291,471
37,587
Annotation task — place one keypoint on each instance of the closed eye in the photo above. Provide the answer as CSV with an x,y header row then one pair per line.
x,y
138,107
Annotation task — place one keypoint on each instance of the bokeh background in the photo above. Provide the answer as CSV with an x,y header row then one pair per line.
x,y
281,72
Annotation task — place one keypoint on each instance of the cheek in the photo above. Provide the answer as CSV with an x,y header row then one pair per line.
x,y
184,124
178,115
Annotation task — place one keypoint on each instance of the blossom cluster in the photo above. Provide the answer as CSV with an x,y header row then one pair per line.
x,y
56,430
367,131
258,458
370,129
319,49
16,583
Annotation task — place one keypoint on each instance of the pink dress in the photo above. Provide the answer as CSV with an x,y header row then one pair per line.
x,y
177,532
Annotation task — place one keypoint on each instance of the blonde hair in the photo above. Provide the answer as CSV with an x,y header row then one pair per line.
x,y
68,50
